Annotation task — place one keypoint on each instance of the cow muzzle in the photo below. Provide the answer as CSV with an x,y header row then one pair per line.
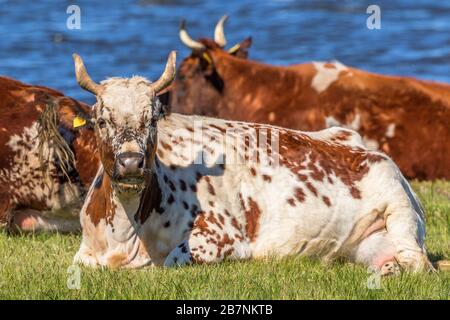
x,y
129,171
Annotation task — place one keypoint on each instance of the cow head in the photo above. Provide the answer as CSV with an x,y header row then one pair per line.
x,y
198,81
124,119
204,44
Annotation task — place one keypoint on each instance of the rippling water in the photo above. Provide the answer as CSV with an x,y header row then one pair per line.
x,y
121,38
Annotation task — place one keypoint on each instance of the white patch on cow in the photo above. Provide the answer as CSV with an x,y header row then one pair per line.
x,y
28,134
356,122
371,144
353,140
331,121
390,130
324,76
129,99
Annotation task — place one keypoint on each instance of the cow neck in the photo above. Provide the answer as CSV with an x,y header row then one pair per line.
x,y
234,72
231,69
150,199
137,208
126,207
86,155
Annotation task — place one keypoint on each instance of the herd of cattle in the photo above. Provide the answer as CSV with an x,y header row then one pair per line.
x,y
130,162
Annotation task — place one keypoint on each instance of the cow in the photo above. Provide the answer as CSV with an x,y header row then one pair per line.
x,y
46,165
176,189
407,119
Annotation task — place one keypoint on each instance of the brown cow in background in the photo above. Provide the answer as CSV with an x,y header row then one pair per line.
x,y
406,118
40,152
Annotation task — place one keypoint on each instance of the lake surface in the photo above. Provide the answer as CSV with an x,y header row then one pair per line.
x,y
123,38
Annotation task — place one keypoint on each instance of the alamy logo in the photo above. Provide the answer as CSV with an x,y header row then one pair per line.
x,y
374,280
374,20
74,20
73,277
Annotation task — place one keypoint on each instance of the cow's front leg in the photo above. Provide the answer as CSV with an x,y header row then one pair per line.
x,y
85,257
204,247
179,256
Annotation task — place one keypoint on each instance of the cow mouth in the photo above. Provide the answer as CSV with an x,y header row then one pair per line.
x,y
129,185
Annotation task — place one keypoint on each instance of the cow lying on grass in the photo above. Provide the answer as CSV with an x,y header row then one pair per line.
x,y
175,189
400,116
46,166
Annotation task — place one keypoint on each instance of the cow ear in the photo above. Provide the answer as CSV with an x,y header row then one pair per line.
x,y
164,98
241,50
160,110
71,113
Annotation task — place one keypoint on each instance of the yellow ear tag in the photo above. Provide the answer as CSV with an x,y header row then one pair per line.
x,y
207,58
78,122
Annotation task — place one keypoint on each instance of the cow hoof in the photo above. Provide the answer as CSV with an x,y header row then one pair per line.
x,y
413,261
390,268
86,260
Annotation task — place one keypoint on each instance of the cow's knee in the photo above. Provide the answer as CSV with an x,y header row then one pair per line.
x,y
85,257
181,255
197,249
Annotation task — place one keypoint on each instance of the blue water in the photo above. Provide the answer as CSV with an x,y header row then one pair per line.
x,y
122,38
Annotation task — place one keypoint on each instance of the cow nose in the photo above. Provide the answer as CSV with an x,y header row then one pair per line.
x,y
130,164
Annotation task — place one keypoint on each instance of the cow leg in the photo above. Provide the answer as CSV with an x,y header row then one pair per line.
x,y
207,247
406,229
85,257
209,241
410,254
181,255
29,220
193,251
5,208
377,251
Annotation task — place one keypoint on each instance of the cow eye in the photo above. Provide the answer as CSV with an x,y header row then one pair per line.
x,y
101,123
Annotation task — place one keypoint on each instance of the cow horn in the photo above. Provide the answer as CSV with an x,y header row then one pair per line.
x,y
187,40
168,75
234,48
219,35
83,78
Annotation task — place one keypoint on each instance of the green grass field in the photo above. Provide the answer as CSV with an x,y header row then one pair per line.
x,y
36,267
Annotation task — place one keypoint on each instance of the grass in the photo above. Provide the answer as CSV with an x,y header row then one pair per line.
x,y
36,267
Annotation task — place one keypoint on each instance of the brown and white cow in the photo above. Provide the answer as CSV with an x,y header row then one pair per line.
x,y
176,189
35,193
406,118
